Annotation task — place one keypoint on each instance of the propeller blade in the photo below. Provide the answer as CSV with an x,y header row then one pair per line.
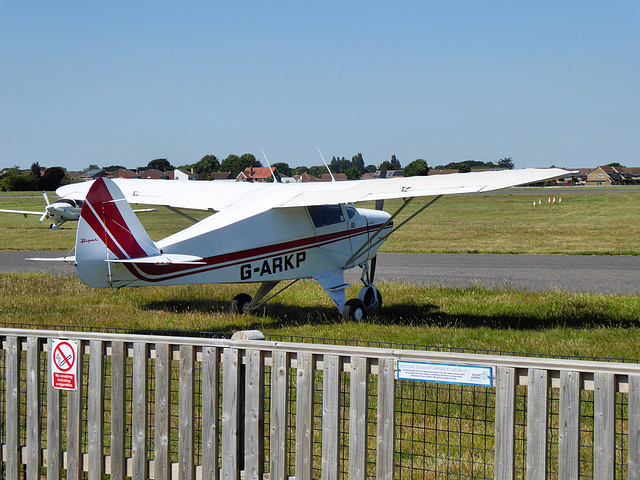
x,y
46,198
383,174
44,215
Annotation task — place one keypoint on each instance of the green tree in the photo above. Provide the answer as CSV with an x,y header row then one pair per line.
x,y
394,163
236,164
8,182
353,173
53,178
463,168
283,169
370,169
251,160
207,164
300,170
318,171
416,168
614,164
339,165
506,163
160,164
357,161
92,166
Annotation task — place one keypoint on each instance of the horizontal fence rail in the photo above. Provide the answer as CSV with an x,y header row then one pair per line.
x,y
176,407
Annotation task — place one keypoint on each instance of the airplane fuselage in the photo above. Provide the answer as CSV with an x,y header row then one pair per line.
x,y
271,246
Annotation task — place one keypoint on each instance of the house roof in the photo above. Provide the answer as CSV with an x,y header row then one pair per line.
x,y
340,177
221,176
306,177
258,172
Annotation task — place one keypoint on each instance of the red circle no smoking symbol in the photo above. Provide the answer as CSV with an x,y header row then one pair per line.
x,y
64,356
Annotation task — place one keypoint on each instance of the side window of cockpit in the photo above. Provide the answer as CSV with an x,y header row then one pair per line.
x,y
323,215
351,210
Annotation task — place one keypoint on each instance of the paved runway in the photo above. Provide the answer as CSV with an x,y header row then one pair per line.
x,y
574,273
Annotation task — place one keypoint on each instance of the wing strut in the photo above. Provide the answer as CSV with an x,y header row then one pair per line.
x,y
182,214
369,244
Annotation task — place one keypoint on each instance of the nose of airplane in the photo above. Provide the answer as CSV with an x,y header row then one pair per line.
x,y
375,218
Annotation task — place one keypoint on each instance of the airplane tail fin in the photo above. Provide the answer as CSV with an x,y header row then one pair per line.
x,y
109,235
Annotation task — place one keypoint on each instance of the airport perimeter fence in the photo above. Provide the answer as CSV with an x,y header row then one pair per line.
x,y
164,407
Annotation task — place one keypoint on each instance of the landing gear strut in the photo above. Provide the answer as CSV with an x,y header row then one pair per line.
x,y
369,299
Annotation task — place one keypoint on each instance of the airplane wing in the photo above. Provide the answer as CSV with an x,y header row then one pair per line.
x,y
421,186
219,195
189,194
22,212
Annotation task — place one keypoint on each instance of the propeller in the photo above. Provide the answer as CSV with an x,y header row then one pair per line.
x,y
379,206
46,210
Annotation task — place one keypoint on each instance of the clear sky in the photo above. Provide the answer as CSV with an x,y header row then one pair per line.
x,y
544,82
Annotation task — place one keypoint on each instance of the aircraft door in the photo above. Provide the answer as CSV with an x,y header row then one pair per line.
x,y
358,232
331,227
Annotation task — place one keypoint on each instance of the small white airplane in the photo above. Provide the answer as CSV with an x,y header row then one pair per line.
x,y
259,233
61,211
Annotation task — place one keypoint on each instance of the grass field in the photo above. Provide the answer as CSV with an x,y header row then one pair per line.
x,y
588,221
601,221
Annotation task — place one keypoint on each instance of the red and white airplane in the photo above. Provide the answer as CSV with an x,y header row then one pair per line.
x,y
258,233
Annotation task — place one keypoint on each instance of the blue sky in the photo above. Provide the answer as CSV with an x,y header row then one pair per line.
x,y
545,82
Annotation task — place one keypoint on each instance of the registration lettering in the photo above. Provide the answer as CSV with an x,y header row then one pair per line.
x,y
270,266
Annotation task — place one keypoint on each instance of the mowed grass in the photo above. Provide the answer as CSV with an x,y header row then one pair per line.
x,y
554,323
588,221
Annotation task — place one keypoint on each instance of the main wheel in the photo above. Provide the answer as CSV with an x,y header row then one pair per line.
x,y
354,309
371,297
240,302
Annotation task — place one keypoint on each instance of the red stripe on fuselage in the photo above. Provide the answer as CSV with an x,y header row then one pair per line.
x,y
145,272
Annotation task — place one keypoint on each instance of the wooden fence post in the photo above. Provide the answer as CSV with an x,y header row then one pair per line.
x,y
34,444
118,384
304,417
139,411
537,423
505,423
162,460
210,415
95,417
386,430
569,427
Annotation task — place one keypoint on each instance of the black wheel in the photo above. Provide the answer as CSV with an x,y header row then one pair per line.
x,y
240,303
371,297
354,309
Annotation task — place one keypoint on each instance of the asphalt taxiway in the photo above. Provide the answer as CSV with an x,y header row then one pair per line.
x,y
573,273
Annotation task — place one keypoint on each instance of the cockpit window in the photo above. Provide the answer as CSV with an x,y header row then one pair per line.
x,y
69,201
323,215
351,210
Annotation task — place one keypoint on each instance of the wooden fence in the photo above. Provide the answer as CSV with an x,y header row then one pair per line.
x,y
176,407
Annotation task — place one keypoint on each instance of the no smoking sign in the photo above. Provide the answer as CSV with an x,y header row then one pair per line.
x,y
64,355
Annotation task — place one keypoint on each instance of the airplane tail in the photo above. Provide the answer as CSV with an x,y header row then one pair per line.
x,y
110,238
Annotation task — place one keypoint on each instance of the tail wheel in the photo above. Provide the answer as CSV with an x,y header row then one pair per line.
x,y
371,297
239,303
354,309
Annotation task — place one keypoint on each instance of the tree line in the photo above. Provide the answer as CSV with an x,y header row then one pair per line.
x,y
52,177
37,179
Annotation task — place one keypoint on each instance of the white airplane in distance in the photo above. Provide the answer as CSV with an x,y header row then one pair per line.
x,y
61,211
262,233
